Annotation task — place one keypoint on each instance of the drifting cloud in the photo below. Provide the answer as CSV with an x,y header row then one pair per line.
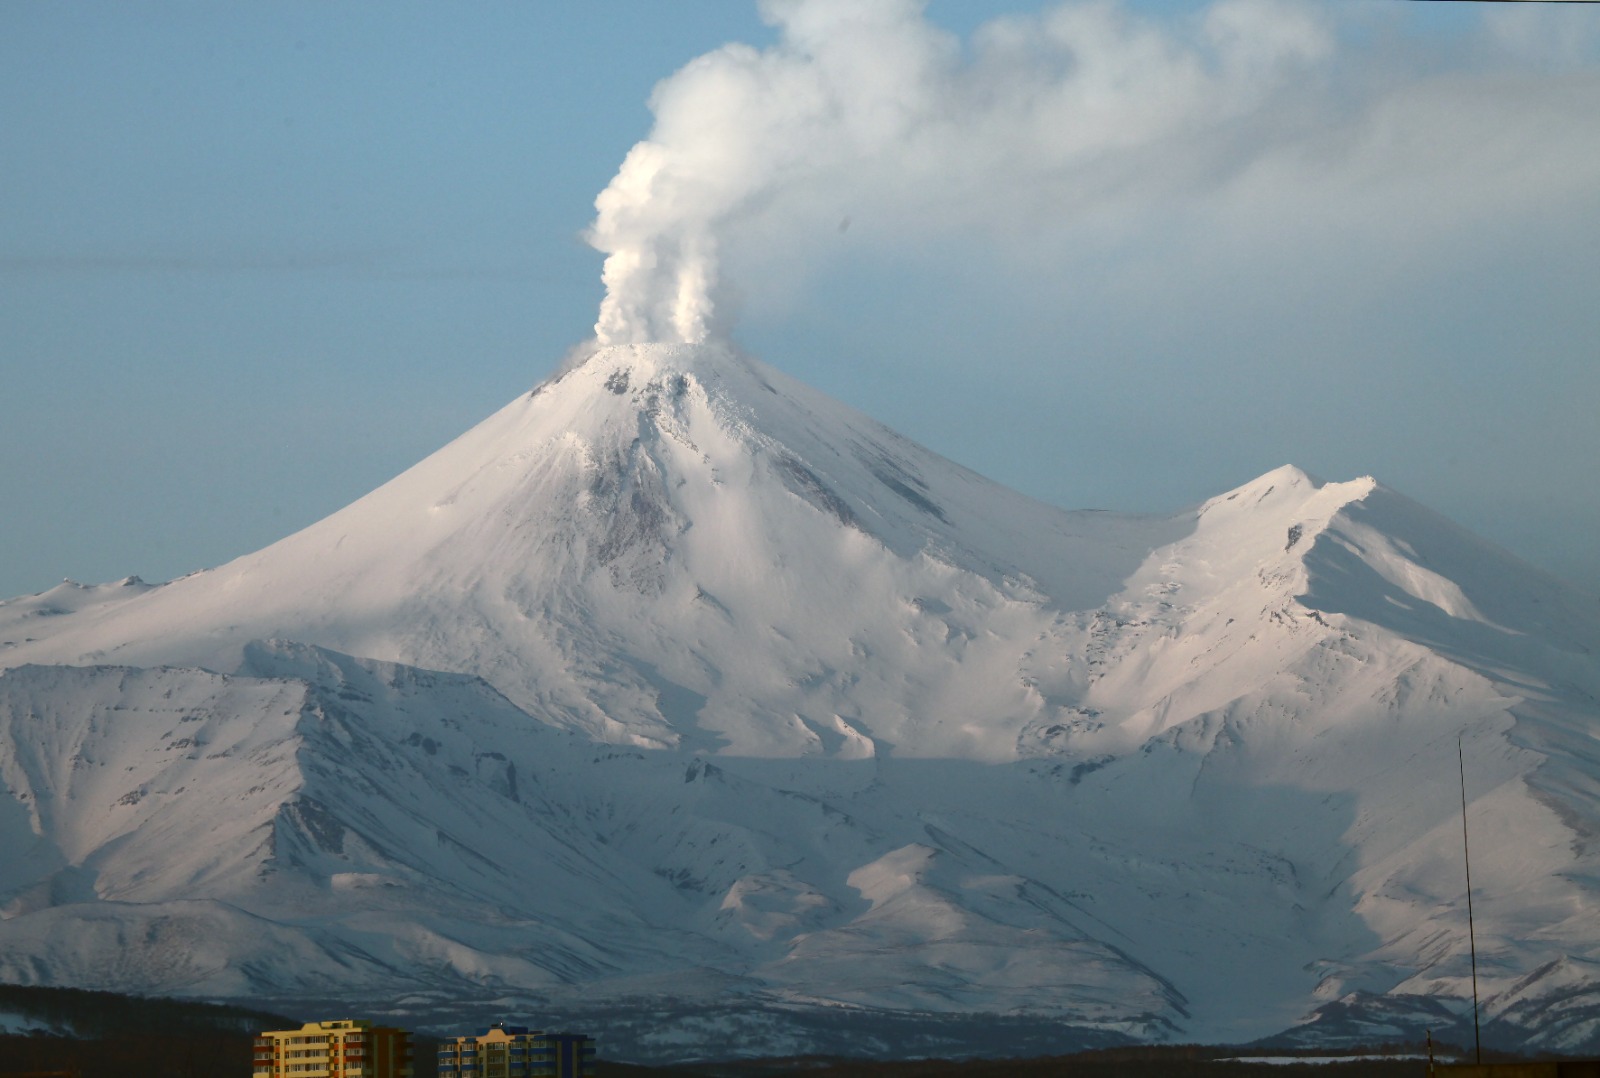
x,y
1083,120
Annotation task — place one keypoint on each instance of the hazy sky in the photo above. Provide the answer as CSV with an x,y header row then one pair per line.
x,y
257,258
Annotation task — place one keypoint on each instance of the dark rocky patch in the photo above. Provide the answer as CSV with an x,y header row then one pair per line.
x,y
802,481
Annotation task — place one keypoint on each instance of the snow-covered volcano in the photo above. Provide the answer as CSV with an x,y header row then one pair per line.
x,y
668,545
678,690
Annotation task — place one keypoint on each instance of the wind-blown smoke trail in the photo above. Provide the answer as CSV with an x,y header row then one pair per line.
x,y
864,109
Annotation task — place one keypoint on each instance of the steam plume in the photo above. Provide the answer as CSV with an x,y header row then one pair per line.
x,y
864,111
739,126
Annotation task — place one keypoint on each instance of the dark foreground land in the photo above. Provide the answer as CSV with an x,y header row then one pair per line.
x,y
1175,1061
228,1056
127,1037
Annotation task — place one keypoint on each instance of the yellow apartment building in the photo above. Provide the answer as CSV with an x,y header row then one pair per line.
x,y
340,1048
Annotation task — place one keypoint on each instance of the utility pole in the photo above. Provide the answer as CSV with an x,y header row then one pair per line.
x,y
1472,939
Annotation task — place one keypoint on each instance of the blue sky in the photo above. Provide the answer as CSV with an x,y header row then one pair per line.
x,y
257,258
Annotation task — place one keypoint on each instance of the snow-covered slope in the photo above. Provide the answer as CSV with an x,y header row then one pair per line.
x,y
776,538
676,681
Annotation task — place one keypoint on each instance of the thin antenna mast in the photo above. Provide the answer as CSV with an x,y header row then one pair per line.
x,y
1472,939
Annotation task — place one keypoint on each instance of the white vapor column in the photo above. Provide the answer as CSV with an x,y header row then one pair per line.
x,y
864,103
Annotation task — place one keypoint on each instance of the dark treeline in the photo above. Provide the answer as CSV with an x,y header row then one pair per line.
x,y
106,1035
1174,1061
217,1054
226,1054
107,1014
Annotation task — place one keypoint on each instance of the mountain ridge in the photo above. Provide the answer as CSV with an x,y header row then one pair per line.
x,y
785,715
